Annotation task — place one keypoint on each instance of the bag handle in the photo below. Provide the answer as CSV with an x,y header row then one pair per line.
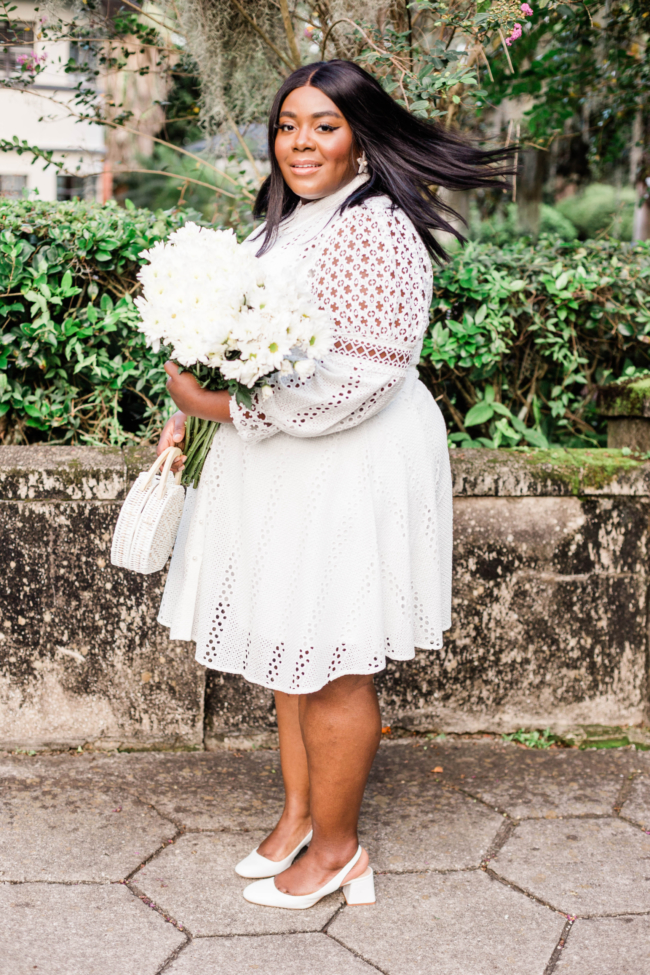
x,y
168,456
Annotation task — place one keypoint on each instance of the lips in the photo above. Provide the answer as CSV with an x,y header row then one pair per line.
x,y
302,167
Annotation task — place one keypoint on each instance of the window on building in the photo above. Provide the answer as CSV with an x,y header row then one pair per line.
x,y
11,187
71,187
15,39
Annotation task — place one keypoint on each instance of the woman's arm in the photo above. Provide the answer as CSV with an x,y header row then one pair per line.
x,y
372,278
192,400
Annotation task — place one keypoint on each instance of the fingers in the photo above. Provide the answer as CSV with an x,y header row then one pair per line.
x,y
163,443
179,464
178,429
171,369
166,439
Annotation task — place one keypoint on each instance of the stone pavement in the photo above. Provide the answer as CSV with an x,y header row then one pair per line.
x,y
490,859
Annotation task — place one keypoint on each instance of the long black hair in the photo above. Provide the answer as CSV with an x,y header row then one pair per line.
x,y
408,157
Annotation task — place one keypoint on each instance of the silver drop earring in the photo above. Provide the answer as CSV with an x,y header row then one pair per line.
x,y
363,163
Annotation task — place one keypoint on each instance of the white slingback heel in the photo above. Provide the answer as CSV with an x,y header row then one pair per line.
x,y
361,890
255,865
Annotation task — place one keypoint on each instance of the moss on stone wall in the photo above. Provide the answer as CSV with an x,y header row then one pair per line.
x,y
581,468
628,398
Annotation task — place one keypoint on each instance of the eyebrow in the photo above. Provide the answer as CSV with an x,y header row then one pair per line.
x,y
314,114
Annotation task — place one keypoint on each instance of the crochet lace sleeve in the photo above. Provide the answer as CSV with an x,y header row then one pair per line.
x,y
373,276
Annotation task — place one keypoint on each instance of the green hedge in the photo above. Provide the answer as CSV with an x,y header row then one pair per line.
x,y
74,369
520,338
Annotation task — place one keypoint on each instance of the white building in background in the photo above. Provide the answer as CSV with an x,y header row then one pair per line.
x,y
42,117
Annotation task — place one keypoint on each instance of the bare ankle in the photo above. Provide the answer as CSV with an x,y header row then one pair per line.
x,y
334,856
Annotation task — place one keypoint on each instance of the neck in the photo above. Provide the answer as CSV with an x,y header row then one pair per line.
x,y
314,199
338,194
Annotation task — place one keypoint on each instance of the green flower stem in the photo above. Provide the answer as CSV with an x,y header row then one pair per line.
x,y
195,452
199,435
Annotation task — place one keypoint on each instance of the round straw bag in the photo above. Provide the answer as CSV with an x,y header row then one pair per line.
x,y
146,528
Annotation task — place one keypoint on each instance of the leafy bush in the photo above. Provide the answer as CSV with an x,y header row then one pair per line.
x,y
521,336
196,185
601,210
502,228
72,366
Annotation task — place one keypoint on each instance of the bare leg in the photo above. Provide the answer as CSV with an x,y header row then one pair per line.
x,y
341,728
295,822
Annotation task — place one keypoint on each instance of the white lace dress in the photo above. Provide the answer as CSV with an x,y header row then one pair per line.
x,y
318,542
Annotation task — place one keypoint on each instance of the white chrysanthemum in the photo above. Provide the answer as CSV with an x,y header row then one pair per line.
x,y
305,367
205,296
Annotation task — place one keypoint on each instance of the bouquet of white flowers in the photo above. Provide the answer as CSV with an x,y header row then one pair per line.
x,y
227,321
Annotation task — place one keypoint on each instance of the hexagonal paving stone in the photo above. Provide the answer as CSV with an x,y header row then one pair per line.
x,y
82,930
289,954
214,790
417,825
605,946
53,833
203,790
525,783
637,805
580,866
450,924
194,881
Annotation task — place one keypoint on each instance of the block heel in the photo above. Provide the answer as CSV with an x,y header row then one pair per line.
x,y
358,891
361,890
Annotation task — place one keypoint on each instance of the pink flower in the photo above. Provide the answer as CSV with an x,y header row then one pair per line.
x,y
526,10
30,61
309,30
515,35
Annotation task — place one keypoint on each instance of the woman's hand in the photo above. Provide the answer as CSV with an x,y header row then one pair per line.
x,y
172,435
183,388
193,400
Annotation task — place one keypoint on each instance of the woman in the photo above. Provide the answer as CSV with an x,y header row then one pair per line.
x,y
319,540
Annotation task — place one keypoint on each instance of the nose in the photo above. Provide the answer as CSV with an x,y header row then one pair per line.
x,y
303,139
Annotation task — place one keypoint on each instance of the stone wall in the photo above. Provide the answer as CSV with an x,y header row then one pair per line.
x,y
550,620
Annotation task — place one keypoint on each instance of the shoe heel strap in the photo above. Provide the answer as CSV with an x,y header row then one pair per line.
x,y
346,869
364,876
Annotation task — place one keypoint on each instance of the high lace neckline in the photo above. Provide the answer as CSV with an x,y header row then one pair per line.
x,y
333,201
320,210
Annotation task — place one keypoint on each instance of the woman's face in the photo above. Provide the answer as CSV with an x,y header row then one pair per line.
x,y
314,145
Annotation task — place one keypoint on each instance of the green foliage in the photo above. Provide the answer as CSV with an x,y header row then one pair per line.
x,y
74,369
601,210
521,336
586,68
501,228
195,186
532,739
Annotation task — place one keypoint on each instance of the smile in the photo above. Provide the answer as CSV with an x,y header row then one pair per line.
x,y
306,166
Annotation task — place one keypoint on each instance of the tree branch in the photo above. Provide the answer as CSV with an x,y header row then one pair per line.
x,y
267,40
132,131
242,143
291,36
185,179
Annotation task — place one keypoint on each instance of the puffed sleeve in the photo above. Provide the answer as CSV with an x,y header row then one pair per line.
x,y
373,277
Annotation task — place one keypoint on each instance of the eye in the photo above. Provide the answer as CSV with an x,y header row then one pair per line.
x,y
324,127
285,127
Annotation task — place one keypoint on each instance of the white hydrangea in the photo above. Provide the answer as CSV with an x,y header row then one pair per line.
x,y
207,298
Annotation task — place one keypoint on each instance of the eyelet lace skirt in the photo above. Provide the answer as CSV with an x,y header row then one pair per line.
x,y
299,560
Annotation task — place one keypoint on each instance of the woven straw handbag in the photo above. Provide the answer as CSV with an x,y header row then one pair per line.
x,y
146,528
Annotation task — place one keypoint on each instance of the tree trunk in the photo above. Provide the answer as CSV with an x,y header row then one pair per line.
x,y
530,183
459,201
640,179
641,224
